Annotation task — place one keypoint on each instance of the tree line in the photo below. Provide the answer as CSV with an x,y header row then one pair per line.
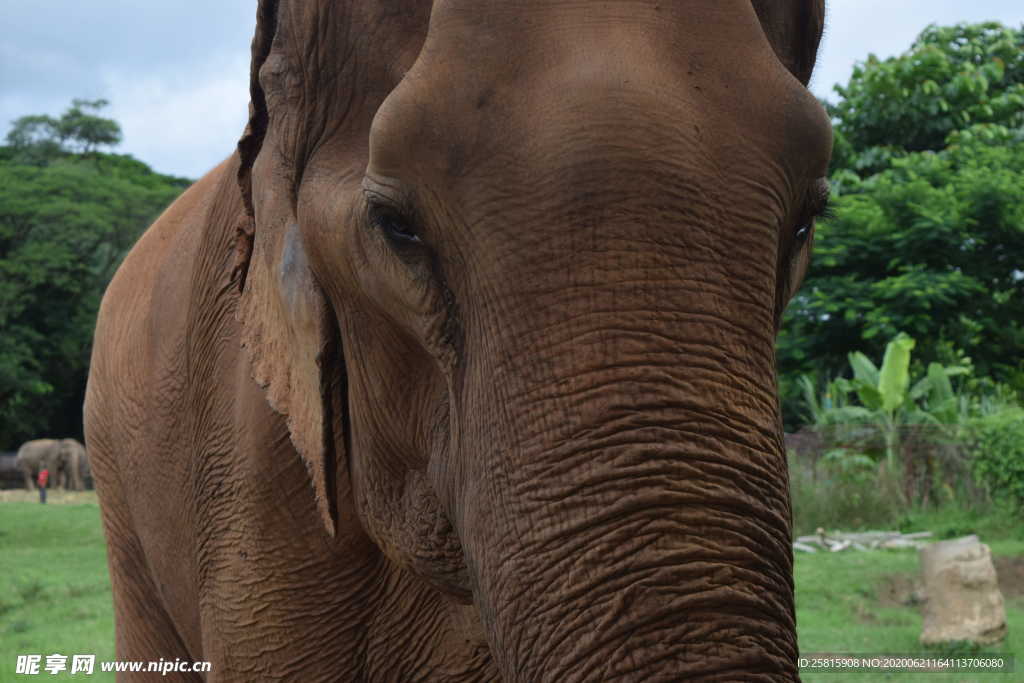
x,y
68,214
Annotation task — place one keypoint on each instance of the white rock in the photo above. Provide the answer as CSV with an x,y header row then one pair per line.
x,y
964,602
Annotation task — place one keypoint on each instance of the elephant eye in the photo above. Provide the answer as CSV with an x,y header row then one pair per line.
x,y
395,227
818,206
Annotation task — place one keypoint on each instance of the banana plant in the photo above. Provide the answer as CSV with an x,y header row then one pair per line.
x,y
883,391
888,399
943,406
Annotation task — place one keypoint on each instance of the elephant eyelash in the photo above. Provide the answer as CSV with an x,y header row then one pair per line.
x,y
826,211
821,201
397,229
820,209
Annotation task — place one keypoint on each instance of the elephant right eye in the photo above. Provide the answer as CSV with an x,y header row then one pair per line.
x,y
396,228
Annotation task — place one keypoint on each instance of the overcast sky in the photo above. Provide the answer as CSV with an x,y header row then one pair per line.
x,y
176,73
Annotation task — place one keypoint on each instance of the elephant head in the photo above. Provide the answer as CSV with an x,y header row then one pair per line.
x,y
513,273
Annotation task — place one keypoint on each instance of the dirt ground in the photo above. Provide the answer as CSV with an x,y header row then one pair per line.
x,y
905,590
53,496
899,590
1010,571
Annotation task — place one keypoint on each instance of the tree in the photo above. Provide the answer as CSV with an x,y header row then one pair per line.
x,y
951,78
86,132
40,138
928,232
934,245
65,225
36,136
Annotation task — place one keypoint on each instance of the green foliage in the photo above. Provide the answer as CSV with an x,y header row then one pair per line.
x,y
932,245
85,132
894,377
950,79
953,521
882,392
928,197
841,490
64,228
885,394
892,409
943,441
997,454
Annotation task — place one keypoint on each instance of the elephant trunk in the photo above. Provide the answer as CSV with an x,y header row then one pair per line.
x,y
658,548
629,554
625,505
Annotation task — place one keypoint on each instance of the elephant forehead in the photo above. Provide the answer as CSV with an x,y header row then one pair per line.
x,y
529,99
598,145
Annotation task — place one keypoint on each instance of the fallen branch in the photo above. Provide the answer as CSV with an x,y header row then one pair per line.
x,y
838,541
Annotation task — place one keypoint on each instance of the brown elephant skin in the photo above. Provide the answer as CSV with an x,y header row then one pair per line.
x,y
462,367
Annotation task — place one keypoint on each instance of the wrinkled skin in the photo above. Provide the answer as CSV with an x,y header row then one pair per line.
x,y
64,458
462,368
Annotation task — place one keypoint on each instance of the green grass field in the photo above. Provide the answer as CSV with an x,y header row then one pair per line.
x,y
860,602
54,590
55,595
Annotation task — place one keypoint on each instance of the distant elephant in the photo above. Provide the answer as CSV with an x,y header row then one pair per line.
x,y
39,454
462,367
74,465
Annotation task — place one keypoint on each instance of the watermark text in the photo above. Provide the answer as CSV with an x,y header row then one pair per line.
x,y
86,664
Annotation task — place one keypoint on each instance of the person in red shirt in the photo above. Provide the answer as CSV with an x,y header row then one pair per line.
x,y
44,477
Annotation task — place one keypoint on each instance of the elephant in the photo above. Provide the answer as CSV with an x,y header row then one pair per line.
x,y
461,366
64,458
74,465
36,455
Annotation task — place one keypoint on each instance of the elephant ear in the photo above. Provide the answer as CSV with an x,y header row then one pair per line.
x,y
794,29
286,329
319,70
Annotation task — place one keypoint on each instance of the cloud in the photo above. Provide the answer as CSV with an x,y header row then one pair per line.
x,y
185,122
176,73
